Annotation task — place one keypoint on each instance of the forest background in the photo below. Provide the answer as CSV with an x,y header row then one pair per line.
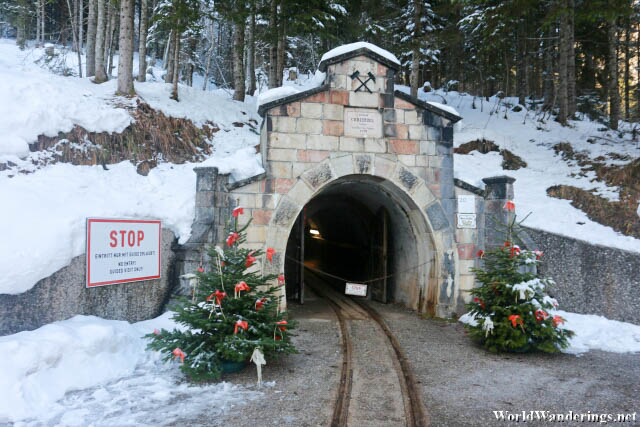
x,y
564,56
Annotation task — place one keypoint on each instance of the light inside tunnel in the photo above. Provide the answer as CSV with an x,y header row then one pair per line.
x,y
359,230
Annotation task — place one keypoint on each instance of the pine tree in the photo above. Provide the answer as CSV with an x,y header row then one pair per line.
x,y
511,308
233,311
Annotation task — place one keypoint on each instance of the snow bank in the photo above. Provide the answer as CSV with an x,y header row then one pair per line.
x,y
345,48
43,223
42,220
198,106
524,135
92,371
599,333
592,332
36,102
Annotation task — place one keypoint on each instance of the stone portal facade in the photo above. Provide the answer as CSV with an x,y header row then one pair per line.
x,y
355,124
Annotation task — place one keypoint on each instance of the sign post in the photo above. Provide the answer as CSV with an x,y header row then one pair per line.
x,y
122,251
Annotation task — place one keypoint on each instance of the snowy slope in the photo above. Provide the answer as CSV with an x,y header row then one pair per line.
x,y
43,217
532,140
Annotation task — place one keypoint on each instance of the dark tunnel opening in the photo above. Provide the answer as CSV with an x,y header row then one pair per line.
x,y
354,230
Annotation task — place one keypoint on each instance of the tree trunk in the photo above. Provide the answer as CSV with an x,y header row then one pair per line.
x,y
273,48
176,64
142,47
125,48
21,30
42,19
415,56
627,73
113,29
209,55
612,64
168,78
251,55
81,23
562,71
38,17
521,51
73,18
100,69
281,46
74,30
238,66
547,82
571,60
91,39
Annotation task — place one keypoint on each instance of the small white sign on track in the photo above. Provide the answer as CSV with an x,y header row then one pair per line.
x,y
357,289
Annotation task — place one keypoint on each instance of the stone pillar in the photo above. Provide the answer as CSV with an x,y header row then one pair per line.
x,y
499,190
212,204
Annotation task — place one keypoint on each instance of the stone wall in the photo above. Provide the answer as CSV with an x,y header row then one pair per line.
x,y
468,242
590,279
64,294
307,142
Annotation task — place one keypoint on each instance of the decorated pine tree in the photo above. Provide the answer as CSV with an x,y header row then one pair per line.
x,y
511,309
233,311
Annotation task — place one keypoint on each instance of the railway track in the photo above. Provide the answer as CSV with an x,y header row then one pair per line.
x,y
376,385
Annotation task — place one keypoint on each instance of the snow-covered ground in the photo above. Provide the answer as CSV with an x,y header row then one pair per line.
x,y
43,214
532,140
90,371
592,332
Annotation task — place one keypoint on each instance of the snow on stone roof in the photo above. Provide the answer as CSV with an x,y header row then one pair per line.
x,y
346,48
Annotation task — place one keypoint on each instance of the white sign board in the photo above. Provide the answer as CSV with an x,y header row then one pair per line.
x,y
466,204
357,289
122,250
466,220
362,123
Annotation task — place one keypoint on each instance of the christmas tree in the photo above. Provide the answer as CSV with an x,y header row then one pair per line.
x,y
512,312
233,311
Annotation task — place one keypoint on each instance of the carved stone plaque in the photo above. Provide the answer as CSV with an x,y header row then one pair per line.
x,y
362,123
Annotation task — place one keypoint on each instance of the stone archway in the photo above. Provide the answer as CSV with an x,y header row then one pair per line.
x,y
425,265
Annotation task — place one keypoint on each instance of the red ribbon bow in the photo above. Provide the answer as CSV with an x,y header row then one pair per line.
x,y
177,353
250,259
219,296
538,254
515,319
479,301
259,303
240,324
200,270
509,206
270,252
237,211
232,238
515,251
281,280
242,286
557,320
282,325
480,254
541,315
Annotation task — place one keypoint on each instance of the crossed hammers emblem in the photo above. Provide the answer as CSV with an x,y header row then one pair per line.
x,y
363,84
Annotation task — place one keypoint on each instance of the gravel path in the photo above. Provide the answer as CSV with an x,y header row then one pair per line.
x,y
462,384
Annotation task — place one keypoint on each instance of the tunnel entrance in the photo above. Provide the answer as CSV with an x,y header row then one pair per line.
x,y
360,229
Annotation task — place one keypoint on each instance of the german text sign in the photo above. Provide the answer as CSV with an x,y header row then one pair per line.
x,y
362,123
122,250
357,289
